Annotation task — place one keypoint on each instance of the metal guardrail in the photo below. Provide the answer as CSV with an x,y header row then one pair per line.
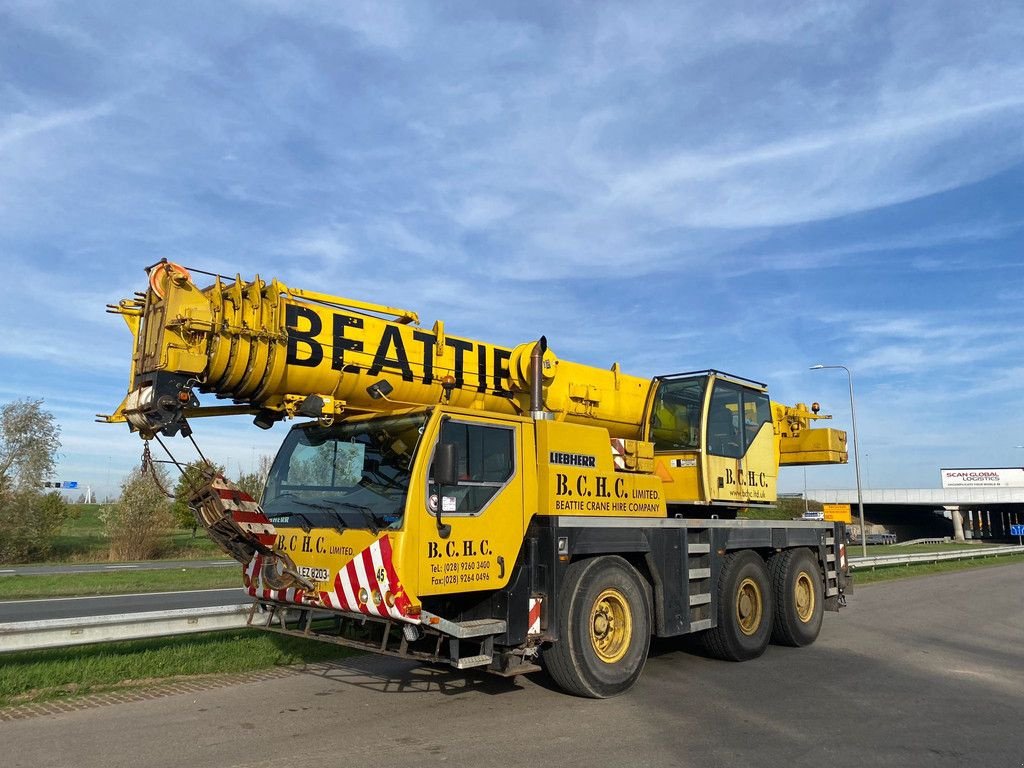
x,y
55,633
931,557
932,540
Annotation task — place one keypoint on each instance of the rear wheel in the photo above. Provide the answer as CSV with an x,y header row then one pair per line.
x,y
745,609
799,602
604,628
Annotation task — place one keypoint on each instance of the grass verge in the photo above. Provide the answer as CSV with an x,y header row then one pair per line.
x,y
889,572
35,676
83,540
118,582
854,549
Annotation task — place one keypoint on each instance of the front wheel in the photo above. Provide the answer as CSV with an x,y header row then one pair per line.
x,y
604,628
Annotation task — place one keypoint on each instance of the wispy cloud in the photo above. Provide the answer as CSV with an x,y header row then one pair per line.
x,y
673,186
19,127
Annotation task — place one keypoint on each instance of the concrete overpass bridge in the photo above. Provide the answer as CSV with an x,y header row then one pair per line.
x,y
980,513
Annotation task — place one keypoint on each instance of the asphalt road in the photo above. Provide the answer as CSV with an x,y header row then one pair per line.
x,y
105,605
149,565
918,672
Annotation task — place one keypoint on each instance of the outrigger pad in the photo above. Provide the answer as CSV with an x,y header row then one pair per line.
x,y
237,524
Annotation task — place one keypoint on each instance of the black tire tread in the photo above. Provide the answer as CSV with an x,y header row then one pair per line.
x,y
720,641
561,663
778,573
563,660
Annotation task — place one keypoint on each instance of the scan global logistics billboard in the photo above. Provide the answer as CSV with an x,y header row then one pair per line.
x,y
998,477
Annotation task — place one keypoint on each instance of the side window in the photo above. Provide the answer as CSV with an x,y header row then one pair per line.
x,y
734,418
757,410
724,436
486,464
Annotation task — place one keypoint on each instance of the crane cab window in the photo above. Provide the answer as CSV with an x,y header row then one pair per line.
x,y
486,465
735,416
675,419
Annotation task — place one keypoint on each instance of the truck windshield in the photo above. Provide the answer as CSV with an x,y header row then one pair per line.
x,y
351,475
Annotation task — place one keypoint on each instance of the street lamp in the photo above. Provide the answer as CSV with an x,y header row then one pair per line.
x,y
856,455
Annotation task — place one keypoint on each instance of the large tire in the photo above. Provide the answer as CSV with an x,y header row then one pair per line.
x,y
745,609
799,597
604,628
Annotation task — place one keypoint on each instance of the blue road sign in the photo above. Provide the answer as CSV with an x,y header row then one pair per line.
x,y
69,484
1017,530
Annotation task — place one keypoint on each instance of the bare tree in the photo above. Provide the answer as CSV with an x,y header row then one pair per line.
x,y
29,441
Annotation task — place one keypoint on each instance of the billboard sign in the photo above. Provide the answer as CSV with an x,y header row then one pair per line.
x,y
998,477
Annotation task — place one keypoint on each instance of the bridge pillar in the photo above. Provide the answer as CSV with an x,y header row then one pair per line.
x,y
958,523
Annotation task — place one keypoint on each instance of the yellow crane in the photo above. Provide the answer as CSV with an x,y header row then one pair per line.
x,y
480,503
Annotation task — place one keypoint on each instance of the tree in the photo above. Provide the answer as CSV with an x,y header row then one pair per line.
x,y
195,475
254,482
29,441
136,523
29,522
29,519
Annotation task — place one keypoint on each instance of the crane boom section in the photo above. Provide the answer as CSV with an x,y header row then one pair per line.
x,y
278,351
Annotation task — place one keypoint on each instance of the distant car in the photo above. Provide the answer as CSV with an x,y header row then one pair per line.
x,y
819,515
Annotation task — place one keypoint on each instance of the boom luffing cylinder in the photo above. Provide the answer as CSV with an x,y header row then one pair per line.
x,y
278,351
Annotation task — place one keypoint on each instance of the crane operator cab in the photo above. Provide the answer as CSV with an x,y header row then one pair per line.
x,y
713,440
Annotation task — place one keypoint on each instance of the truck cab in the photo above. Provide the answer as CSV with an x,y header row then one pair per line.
x,y
714,442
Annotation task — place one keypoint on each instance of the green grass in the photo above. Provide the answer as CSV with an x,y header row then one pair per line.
x,y
759,513
82,540
33,676
119,582
854,549
889,572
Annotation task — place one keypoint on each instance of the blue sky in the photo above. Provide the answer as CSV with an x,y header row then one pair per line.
x,y
672,186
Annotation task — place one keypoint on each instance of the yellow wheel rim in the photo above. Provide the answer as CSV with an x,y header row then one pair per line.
x,y
804,597
749,606
611,626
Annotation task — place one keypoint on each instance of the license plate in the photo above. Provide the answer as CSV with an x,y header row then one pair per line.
x,y
314,574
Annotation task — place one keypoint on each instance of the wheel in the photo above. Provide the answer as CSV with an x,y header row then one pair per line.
x,y
604,628
799,601
745,609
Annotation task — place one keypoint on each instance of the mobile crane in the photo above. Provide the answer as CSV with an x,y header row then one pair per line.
x,y
452,500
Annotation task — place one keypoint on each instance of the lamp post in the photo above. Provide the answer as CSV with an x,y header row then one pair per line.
x,y
856,454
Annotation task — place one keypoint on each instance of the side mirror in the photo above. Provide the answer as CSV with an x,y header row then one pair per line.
x,y
446,464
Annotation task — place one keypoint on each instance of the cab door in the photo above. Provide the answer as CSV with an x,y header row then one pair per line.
x,y
739,444
484,510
